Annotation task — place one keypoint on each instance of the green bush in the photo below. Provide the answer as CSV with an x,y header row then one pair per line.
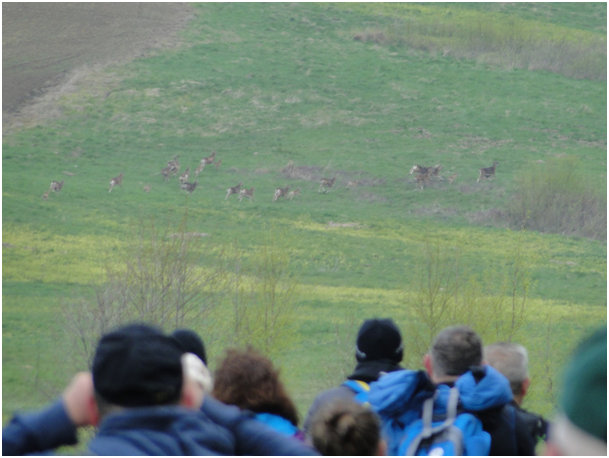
x,y
558,199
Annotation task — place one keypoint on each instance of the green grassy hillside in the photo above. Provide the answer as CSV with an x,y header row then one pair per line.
x,y
287,94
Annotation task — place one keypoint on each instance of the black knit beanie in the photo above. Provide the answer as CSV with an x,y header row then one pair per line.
x,y
379,338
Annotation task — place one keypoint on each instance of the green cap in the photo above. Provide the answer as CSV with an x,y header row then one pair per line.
x,y
584,394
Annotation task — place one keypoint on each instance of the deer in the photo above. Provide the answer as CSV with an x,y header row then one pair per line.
x,y
424,174
249,193
56,186
45,196
206,161
233,190
280,192
487,172
184,177
293,194
116,181
326,183
189,187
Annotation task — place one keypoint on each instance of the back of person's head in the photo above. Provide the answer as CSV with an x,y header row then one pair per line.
x,y
344,427
137,366
454,350
249,380
379,339
190,342
581,425
511,360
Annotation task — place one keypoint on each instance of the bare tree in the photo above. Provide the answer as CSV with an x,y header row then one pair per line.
x,y
156,280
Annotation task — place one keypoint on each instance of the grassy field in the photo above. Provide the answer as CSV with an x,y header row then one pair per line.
x,y
287,94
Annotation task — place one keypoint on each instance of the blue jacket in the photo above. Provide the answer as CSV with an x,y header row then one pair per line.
x,y
169,430
278,423
398,398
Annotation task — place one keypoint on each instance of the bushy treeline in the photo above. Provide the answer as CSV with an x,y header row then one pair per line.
x,y
498,39
558,199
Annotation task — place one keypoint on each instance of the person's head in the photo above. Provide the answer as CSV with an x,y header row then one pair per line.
x,y
454,350
249,380
580,428
344,427
198,381
136,366
379,339
511,360
190,342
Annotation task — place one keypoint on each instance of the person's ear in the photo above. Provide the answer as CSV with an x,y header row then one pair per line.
x,y
382,448
427,364
524,388
93,411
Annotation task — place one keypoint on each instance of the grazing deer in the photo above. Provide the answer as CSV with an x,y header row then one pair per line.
x,y
116,181
190,187
326,183
280,192
293,193
218,163
487,172
424,174
184,177
45,196
249,193
56,186
233,190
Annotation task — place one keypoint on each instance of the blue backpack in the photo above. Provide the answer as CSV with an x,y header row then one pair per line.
x,y
449,433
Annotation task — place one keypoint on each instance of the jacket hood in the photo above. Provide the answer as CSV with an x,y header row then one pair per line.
x,y
483,388
398,391
167,430
405,390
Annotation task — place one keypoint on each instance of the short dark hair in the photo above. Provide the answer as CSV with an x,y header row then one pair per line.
x,y
456,349
344,427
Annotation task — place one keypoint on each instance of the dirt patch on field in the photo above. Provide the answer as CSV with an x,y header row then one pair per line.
x,y
49,48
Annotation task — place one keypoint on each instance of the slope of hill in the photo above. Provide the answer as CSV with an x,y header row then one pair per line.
x,y
287,94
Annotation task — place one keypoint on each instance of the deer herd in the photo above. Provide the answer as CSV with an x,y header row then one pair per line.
x,y
422,175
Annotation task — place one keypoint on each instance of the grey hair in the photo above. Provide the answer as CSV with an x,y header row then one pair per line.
x,y
512,360
454,350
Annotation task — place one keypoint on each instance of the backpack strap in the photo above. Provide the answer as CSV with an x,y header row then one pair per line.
x,y
357,386
428,430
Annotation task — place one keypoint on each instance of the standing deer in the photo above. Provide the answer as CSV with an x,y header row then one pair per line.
x,y
184,177
487,172
190,187
280,192
326,183
233,190
249,193
116,181
56,186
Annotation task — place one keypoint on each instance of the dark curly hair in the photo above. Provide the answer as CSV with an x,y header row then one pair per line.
x,y
249,380
345,427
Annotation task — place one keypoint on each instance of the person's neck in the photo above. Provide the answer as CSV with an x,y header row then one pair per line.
x,y
446,379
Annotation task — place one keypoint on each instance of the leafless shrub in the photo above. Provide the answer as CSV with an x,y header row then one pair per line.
x,y
154,280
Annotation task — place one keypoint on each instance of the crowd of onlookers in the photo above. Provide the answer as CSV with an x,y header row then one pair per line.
x,y
150,393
